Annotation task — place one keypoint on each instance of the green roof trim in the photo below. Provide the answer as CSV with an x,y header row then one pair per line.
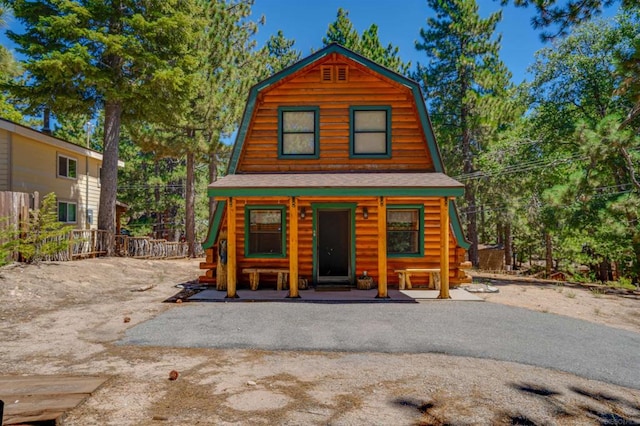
x,y
333,191
214,226
457,227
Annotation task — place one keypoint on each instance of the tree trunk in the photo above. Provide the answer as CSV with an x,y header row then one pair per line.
x,y
549,253
467,159
507,245
109,182
213,176
190,203
157,222
470,192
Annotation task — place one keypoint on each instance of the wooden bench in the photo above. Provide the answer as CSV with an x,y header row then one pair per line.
x,y
254,276
405,274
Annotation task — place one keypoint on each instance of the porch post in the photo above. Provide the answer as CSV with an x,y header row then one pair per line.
x,y
231,248
444,249
382,249
293,248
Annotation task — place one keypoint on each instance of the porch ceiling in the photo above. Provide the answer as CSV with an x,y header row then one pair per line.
x,y
297,184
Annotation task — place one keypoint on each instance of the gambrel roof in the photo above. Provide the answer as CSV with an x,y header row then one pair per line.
x,y
334,48
430,182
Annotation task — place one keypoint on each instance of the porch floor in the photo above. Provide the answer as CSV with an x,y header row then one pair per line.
x,y
312,296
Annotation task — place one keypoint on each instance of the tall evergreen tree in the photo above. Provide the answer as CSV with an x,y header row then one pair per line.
x,y
563,15
128,58
9,70
227,65
368,45
578,114
465,83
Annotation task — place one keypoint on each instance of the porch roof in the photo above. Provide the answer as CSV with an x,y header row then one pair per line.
x,y
300,184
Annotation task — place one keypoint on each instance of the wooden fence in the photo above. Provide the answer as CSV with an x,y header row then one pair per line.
x,y
14,210
94,243
148,248
14,207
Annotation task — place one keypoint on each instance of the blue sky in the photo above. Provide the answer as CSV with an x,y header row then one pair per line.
x,y
399,23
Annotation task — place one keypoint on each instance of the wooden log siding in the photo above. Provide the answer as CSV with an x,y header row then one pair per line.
x,y
409,152
366,233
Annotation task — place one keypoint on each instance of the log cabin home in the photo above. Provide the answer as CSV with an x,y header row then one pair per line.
x,y
335,175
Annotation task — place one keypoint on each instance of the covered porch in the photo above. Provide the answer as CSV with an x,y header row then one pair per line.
x,y
363,200
311,296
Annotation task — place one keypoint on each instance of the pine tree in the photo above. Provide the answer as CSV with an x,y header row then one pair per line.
x,y
128,58
45,235
464,83
9,70
227,65
578,114
341,31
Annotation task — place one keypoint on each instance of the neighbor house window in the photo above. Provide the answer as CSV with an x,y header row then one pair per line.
x,y
298,132
67,167
370,132
67,212
405,231
265,231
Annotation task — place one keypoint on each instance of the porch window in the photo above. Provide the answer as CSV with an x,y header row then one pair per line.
x,y
67,212
405,231
370,132
265,231
67,167
298,132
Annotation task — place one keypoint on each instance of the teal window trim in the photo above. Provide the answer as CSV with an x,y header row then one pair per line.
x,y
420,209
352,132
316,136
283,231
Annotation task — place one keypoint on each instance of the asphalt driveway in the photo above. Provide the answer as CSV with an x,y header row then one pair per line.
x,y
482,330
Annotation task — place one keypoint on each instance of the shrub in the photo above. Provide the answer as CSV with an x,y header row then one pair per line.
x,y
46,235
8,240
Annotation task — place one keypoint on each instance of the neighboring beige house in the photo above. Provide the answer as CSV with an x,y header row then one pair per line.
x,y
34,161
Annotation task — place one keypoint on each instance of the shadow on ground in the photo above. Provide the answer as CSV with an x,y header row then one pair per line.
x,y
574,406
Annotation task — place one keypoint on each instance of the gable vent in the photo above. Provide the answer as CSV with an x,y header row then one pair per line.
x,y
327,73
343,73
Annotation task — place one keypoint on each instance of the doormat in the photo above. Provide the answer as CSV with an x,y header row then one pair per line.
x,y
333,288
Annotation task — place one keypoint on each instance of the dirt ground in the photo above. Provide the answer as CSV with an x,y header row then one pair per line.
x,y
65,318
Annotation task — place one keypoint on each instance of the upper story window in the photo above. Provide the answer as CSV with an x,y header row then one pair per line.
x,y
370,131
265,231
67,212
67,167
298,129
405,231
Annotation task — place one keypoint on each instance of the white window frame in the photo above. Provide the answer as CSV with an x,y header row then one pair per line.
x,y
66,171
67,204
